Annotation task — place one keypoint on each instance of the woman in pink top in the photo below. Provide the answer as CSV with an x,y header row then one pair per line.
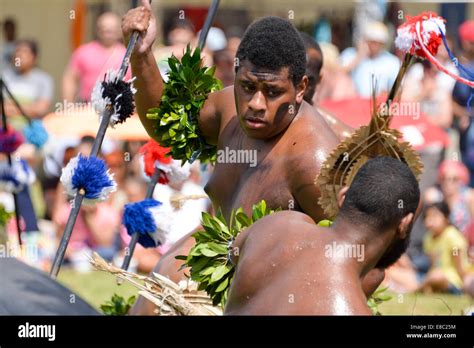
x,y
91,61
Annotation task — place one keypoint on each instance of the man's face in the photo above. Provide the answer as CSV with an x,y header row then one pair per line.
x,y
266,101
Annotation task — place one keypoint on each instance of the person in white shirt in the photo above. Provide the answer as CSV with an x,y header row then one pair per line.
x,y
371,60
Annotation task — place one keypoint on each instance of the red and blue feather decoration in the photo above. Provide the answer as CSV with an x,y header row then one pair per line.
x,y
421,36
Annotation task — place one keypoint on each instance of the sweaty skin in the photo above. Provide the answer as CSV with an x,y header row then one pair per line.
x,y
284,176
283,269
263,112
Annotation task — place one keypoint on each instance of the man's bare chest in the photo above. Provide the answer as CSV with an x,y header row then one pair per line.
x,y
247,172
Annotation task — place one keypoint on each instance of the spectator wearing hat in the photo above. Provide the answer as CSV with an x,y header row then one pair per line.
x,y
371,59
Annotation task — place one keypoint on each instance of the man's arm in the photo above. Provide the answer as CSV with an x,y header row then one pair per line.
x,y
149,87
149,83
307,195
303,167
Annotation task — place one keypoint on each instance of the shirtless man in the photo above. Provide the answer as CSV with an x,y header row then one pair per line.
x,y
264,112
287,265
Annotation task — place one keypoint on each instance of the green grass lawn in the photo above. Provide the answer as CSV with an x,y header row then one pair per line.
x,y
98,287
95,287
421,304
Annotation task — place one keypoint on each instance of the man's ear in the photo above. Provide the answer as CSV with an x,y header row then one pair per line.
x,y
301,89
341,196
402,229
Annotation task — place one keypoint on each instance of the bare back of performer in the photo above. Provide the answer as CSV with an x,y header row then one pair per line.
x,y
287,265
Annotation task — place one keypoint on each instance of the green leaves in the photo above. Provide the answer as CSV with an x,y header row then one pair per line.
x,y
4,215
379,296
185,92
117,305
208,259
325,223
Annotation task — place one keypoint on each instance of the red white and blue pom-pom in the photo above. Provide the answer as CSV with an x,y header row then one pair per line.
x,y
430,26
171,171
151,219
114,93
421,36
15,177
10,141
89,175
35,133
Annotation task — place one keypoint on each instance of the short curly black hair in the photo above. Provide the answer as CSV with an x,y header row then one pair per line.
x,y
273,43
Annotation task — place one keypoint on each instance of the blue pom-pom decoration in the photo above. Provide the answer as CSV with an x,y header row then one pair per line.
x,y
150,219
36,134
90,174
14,177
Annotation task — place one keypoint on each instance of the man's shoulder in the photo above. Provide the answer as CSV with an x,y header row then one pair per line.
x,y
289,216
225,92
282,225
224,98
275,234
224,104
312,125
310,139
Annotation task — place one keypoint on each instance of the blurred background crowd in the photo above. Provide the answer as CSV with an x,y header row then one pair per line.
x,y
356,43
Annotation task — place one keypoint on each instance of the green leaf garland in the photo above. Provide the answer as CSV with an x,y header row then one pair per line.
x,y
208,259
184,95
